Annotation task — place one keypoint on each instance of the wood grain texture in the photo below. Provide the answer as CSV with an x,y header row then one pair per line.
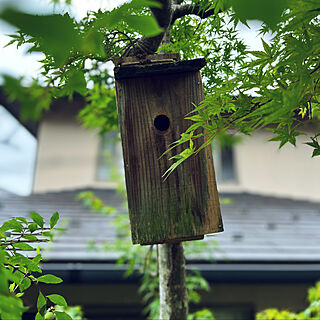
x,y
159,57
185,206
157,68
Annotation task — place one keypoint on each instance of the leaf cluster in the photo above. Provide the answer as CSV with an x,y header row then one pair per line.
x,y
75,54
275,88
20,259
214,38
311,312
101,110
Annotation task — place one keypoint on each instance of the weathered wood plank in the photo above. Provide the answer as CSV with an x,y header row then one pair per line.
x,y
143,70
152,58
152,109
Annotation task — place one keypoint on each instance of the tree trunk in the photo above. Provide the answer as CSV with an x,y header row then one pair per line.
x,y
172,282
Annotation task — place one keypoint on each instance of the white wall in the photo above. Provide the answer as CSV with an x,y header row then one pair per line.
x,y
264,169
67,155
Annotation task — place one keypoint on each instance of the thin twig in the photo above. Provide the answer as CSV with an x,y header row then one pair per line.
x,y
146,258
8,243
17,269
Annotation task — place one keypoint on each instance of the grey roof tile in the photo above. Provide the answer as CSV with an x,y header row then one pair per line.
x,y
257,228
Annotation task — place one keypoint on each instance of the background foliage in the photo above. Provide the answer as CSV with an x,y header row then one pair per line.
x,y
311,312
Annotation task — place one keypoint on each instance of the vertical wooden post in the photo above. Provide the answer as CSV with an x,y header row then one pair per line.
x,y
172,282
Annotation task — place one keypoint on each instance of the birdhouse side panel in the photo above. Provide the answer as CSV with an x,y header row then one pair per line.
x,y
180,206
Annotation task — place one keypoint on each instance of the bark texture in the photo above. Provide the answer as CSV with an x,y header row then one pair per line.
x,y
172,282
170,11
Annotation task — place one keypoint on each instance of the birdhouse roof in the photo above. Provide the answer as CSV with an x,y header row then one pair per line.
x,y
149,68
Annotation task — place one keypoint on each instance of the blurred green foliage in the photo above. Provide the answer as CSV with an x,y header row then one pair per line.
x,y
55,35
267,11
68,47
312,312
75,312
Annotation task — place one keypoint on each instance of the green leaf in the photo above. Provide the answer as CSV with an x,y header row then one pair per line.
x,y
49,278
140,4
56,34
39,316
145,25
62,316
12,286
37,218
34,266
41,300
268,11
57,299
33,227
31,237
12,225
76,82
258,54
23,246
22,219
11,307
316,152
21,260
46,234
41,303
92,43
173,166
110,19
25,284
33,99
313,144
266,47
54,219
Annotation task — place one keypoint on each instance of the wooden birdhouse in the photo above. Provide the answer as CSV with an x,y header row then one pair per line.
x,y
153,98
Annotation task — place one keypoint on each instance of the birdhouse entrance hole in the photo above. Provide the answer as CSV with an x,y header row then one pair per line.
x,y
162,122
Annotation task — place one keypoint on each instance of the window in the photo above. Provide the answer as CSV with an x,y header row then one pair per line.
x,y
224,161
110,162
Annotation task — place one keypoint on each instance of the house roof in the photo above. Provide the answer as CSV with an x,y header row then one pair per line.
x,y
258,229
14,108
57,106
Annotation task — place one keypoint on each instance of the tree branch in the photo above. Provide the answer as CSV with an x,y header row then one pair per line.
x,y
186,9
170,11
163,15
11,243
150,45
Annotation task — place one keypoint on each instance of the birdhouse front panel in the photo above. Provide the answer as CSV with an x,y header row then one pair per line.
x,y
152,109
